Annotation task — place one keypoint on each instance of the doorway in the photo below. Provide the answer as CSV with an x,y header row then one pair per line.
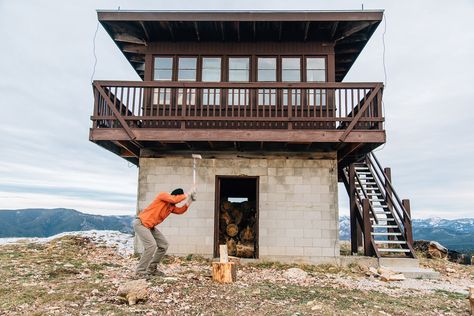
x,y
236,216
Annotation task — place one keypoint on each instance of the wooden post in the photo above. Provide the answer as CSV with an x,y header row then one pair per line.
x,y
407,222
367,228
389,196
353,209
224,271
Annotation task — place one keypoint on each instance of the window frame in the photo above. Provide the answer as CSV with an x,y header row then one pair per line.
x,y
178,57
221,75
173,66
325,57
300,57
227,70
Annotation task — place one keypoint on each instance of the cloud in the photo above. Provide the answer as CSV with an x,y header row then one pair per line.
x,y
47,160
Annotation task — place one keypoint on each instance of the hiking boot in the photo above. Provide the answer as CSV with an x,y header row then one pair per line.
x,y
157,272
141,275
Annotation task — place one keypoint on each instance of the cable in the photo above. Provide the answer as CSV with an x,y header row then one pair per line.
x,y
95,56
384,74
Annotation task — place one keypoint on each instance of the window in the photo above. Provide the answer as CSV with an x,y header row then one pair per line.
x,y
291,69
187,69
239,68
315,69
316,72
267,69
211,69
163,68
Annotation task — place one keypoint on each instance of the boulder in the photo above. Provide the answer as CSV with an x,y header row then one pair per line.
x,y
295,274
133,291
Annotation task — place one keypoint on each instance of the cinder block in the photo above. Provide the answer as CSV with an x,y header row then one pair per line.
x,y
312,251
294,251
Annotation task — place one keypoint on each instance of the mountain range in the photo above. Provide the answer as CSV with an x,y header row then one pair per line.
x,y
456,234
49,222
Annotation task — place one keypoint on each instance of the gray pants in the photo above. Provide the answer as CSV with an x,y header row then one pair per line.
x,y
155,246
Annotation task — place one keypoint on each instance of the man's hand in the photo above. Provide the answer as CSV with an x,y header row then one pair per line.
x,y
192,193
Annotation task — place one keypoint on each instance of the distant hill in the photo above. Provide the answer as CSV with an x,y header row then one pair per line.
x,y
455,234
49,222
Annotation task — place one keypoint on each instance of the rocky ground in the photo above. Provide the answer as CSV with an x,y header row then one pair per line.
x,y
80,275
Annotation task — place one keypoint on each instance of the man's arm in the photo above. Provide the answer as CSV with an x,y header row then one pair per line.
x,y
173,199
184,208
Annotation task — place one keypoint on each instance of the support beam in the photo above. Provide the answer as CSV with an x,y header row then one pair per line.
x,y
196,29
353,210
354,29
306,30
173,135
145,30
333,30
128,38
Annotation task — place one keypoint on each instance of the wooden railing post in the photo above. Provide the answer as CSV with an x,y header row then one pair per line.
x,y
367,227
407,224
353,210
388,195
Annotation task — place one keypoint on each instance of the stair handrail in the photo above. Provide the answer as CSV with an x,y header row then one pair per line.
x,y
389,183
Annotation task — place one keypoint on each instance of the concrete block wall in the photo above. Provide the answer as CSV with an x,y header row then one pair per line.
x,y
298,205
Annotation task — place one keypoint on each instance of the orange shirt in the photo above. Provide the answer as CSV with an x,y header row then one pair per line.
x,y
160,208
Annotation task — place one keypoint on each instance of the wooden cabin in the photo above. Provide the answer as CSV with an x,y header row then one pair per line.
x,y
261,96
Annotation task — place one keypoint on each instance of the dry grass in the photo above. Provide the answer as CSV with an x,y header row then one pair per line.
x,y
73,276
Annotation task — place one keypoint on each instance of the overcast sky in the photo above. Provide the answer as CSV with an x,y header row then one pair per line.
x,y
46,61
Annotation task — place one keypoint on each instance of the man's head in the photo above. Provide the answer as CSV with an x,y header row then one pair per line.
x,y
178,191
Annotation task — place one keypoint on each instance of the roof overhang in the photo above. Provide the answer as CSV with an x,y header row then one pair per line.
x,y
348,31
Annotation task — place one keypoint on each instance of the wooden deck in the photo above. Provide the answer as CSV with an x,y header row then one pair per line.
x,y
159,116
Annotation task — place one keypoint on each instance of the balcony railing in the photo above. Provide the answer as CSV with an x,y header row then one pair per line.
x,y
253,105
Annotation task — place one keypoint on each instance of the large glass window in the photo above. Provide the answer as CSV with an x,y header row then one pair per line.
x,y
239,69
187,68
315,69
290,69
211,69
267,68
163,69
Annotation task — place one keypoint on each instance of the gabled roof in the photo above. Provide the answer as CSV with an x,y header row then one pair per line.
x,y
348,30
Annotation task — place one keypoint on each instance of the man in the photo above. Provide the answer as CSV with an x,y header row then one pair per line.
x,y
153,241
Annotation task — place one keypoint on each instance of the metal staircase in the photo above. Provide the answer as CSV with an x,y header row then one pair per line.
x,y
377,213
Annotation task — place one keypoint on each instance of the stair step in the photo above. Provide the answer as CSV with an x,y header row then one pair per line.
x,y
393,250
399,242
384,226
382,213
379,206
386,234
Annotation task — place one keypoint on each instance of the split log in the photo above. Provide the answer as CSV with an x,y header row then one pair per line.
x,y
246,250
232,230
231,246
247,234
226,206
226,217
133,291
436,250
236,215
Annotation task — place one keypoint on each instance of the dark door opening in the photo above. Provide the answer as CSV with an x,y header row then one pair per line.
x,y
236,216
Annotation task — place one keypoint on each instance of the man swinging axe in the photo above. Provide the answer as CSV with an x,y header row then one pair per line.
x,y
145,225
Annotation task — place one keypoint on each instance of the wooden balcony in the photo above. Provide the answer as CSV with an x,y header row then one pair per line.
x,y
134,119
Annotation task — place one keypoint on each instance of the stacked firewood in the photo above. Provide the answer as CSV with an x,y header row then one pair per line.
x,y
237,228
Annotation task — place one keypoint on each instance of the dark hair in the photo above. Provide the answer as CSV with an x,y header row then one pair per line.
x,y
177,192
